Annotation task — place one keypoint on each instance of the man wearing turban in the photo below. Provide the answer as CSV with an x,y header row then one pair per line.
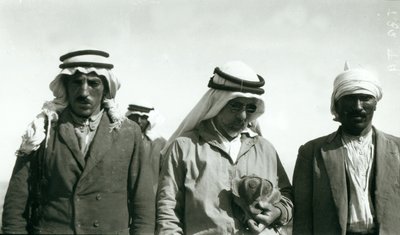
x,y
79,169
348,182
219,141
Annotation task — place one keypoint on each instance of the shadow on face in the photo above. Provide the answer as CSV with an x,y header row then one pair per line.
x,y
235,116
85,93
141,120
356,112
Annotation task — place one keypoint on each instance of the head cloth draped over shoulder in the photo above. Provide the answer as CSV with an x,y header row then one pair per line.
x,y
83,61
232,80
354,81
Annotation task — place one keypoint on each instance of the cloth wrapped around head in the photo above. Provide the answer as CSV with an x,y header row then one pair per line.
x,y
84,61
232,80
248,192
153,117
354,81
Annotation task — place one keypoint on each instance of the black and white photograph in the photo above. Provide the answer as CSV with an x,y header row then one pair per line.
x,y
200,117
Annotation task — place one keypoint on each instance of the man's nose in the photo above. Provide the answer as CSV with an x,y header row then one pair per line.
x,y
84,89
242,115
358,105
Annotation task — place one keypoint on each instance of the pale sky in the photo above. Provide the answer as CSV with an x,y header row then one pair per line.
x,y
164,53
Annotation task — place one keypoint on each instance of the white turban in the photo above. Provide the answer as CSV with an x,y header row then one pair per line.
x,y
354,81
215,99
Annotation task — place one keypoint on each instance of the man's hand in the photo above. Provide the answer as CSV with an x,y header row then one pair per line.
x,y
267,217
255,227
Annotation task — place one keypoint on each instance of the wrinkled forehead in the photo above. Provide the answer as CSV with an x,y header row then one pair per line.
x,y
357,96
79,75
92,76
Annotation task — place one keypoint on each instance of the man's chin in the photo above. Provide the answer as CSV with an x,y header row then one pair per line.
x,y
356,128
83,113
235,131
359,122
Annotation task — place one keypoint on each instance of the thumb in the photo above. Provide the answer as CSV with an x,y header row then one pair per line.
x,y
265,205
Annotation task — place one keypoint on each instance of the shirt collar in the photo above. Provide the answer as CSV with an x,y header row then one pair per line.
x,y
92,122
362,138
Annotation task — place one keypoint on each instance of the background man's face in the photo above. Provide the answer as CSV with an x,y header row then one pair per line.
x,y
356,112
235,116
85,93
141,120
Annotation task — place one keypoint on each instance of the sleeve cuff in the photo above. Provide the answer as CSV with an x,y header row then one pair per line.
x,y
284,218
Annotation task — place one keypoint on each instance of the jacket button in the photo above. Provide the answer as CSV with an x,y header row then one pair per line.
x,y
96,223
98,197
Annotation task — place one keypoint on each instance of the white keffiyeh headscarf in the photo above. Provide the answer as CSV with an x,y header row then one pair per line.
x,y
83,62
215,99
155,119
354,81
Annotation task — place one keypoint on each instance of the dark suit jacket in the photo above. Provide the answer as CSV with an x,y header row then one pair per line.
x,y
152,150
320,192
109,193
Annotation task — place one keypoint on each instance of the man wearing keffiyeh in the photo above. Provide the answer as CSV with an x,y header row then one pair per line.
x,y
79,168
149,120
348,182
218,142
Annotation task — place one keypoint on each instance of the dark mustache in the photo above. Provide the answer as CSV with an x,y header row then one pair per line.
x,y
357,114
239,122
82,99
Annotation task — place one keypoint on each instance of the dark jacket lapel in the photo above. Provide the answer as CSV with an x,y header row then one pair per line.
x,y
100,145
67,133
387,171
333,154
